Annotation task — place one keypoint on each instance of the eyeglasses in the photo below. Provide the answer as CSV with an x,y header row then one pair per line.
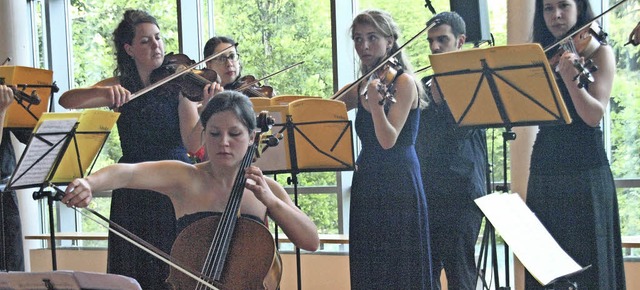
x,y
224,58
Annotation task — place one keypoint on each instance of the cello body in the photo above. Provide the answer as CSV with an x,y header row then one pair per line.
x,y
252,262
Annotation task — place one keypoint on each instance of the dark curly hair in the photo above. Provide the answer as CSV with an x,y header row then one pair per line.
x,y
126,70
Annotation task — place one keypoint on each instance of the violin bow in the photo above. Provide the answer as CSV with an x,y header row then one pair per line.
x,y
587,24
177,74
139,242
422,69
249,84
382,63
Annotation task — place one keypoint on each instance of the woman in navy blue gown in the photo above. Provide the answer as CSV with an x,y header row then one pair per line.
x,y
159,125
388,229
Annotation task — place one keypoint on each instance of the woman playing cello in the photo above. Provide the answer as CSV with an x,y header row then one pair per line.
x,y
203,189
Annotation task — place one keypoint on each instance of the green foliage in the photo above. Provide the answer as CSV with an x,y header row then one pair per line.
x,y
275,34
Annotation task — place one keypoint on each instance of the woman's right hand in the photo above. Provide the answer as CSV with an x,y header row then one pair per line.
x,y
6,97
116,95
78,193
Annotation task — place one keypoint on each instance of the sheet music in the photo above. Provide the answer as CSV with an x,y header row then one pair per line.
x,y
528,238
41,152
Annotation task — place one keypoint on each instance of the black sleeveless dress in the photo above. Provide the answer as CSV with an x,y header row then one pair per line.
x,y
149,131
571,191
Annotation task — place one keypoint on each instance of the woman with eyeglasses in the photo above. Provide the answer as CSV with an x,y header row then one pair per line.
x,y
226,65
158,125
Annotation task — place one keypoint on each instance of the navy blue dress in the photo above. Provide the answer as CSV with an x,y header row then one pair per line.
x,y
388,229
149,131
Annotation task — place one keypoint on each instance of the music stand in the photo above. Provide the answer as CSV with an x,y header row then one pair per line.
x,y
47,160
23,113
66,280
318,139
509,86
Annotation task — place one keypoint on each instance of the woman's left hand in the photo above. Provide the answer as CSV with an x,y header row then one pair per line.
x,y
208,92
373,92
566,66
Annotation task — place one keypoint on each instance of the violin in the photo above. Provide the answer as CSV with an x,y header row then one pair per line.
x,y
583,43
340,93
236,252
251,87
387,75
189,84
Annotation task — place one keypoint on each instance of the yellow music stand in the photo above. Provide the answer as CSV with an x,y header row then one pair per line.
x,y
63,146
504,86
317,137
20,113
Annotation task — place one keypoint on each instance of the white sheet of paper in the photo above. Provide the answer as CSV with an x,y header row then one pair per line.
x,y
527,237
32,170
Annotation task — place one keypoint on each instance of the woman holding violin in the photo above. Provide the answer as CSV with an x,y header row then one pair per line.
x,y
571,188
204,189
388,227
158,125
229,68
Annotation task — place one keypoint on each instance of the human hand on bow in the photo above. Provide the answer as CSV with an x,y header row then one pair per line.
x,y
116,95
78,193
6,97
634,36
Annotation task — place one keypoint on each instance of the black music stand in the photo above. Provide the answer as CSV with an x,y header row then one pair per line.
x,y
312,147
47,159
509,86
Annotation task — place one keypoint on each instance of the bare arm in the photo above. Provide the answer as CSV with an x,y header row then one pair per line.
x,y
106,93
296,224
388,127
592,103
349,98
162,176
190,127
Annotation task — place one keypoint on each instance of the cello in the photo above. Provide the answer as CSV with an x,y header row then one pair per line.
x,y
226,246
